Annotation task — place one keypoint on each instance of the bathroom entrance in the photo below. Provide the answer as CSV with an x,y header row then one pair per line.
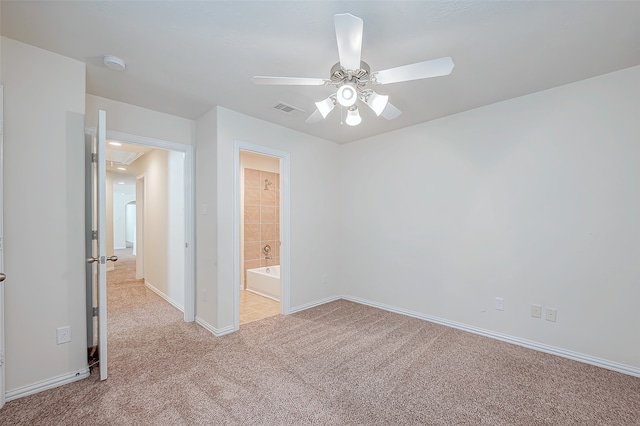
x,y
260,242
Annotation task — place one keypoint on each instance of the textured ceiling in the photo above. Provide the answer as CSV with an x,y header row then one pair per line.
x,y
184,57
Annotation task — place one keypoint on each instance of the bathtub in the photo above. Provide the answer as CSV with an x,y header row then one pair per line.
x,y
265,283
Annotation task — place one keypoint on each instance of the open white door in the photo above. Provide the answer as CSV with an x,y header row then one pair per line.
x,y
101,213
2,276
99,235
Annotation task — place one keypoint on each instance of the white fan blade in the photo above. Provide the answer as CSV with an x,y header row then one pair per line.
x,y
349,38
288,81
314,118
390,112
426,69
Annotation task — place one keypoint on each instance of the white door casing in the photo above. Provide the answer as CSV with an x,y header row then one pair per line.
x,y
2,349
189,216
285,225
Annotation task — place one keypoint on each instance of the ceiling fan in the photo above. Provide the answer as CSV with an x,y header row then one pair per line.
x,y
352,77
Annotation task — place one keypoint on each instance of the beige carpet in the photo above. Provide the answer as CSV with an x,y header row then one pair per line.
x,y
337,364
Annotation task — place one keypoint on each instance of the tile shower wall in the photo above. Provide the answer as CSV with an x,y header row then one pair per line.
x,y
261,218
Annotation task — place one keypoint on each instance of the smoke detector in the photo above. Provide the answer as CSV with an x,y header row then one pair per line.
x,y
114,63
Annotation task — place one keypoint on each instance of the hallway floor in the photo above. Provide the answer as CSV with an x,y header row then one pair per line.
x,y
254,307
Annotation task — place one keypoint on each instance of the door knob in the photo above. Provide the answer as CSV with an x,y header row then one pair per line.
x,y
2,277
92,259
113,258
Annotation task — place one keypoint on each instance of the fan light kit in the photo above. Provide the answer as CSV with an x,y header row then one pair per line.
x,y
351,76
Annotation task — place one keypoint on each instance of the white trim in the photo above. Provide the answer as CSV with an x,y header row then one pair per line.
x,y
189,210
587,359
215,331
2,298
154,289
314,304
285,225
54,382
261,294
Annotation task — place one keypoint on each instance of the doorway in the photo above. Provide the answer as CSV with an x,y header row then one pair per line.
x,y
259,236
264,251
183,196
183,219
154,179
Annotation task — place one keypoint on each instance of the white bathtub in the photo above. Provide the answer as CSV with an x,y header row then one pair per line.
x,y
265,283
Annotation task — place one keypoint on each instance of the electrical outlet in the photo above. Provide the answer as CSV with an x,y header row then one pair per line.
x,y
499,303
536,311
550,314
63,334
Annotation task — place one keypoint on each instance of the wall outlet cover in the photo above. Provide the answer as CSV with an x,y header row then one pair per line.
x,y
499,304
536,311
63,334
550,314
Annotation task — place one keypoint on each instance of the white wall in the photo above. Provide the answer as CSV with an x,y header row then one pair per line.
x,y
154,166
44,214
130,224
122,195
139,121
176,227
535,200
314,207
206,219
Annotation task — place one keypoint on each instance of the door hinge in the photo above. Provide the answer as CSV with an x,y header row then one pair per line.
x,y
94,157
94,234
95,311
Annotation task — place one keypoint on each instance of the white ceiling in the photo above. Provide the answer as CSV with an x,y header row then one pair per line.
x,y
121,157
184,57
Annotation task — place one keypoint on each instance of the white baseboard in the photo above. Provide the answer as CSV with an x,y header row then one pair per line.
x,y
564,353
313,304
259,293
54,382
164,296
215,331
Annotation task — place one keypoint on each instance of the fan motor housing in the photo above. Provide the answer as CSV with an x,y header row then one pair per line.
x,y
360,76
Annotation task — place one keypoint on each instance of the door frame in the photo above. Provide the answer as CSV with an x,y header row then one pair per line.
x,y
2,347
189,207
285,225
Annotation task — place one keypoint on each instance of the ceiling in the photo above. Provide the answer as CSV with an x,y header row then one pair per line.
x,y
120,159
184,58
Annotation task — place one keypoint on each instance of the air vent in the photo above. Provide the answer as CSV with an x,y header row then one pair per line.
x,y
287,109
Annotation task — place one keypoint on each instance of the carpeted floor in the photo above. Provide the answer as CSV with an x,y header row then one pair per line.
x,y
337,364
